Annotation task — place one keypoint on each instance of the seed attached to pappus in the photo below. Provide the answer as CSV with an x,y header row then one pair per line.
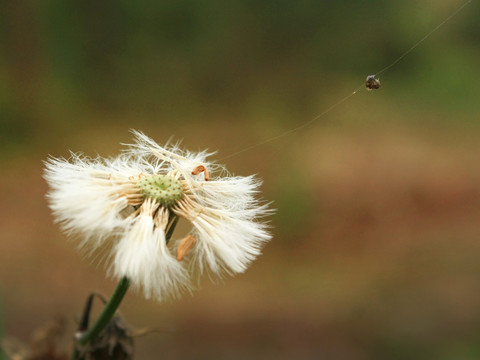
x,y
185,244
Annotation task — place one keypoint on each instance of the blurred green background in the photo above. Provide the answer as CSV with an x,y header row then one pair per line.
x,y
376,234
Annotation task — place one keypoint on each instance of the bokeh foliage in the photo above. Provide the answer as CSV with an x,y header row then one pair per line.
x,y
376,229
187,57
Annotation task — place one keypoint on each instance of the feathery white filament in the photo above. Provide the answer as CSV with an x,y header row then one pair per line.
x,y
113,200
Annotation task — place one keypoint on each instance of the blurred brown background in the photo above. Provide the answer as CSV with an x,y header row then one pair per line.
x,y
376,235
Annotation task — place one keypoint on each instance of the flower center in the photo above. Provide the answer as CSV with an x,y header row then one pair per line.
x,y
166,189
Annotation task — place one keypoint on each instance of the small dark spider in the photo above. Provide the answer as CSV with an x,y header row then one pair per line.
x,y
372,83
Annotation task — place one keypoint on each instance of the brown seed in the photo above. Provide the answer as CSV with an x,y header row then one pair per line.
x,y
200,168
185,244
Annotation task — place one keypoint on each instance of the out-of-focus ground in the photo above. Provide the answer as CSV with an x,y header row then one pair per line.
x,y
376,233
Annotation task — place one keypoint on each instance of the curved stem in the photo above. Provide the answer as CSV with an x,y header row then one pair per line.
x,y
107,313
113,303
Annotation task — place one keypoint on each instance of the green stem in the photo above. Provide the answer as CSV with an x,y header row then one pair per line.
x,y
114,302
107,313
170,230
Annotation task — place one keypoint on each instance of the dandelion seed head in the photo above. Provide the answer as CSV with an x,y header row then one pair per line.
x,y
129,202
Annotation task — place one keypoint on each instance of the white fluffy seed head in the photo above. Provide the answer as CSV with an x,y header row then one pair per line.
x,y
129,200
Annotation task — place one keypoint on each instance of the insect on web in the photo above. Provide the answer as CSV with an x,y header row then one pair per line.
x,y
372,82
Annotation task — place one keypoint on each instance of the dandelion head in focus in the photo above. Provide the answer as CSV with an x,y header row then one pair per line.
x,y
133,201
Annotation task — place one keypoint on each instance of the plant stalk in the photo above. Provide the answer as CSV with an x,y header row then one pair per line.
x,y
114,302
106,315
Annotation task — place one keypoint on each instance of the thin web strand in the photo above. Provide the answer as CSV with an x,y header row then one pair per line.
x,y
288,132
424,38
